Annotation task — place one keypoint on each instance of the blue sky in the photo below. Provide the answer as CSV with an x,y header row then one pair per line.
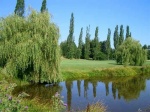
x,y
102,13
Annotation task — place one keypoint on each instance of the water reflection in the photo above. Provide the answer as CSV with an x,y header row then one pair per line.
x,y
81,92
42,93
69,93
125,88
129,89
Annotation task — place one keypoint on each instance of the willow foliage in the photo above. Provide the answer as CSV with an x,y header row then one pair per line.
x,y
29,47
131,53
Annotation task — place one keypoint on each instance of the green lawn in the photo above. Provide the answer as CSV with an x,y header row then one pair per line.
x,y
87,65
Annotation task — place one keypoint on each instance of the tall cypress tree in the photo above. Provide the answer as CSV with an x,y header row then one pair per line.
x,y
87,44
43,7
121,36
19,9
108,47
96,45
70,39
80,45
116,37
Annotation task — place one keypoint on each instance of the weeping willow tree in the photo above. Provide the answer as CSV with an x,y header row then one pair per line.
x,y
29,47
131,53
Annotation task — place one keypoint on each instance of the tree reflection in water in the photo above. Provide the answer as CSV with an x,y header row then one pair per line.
x,y
120,88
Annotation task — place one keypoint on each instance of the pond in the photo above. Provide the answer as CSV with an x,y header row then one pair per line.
x,y
126,94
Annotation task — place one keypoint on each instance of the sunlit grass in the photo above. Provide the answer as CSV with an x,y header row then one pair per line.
x,y
88,65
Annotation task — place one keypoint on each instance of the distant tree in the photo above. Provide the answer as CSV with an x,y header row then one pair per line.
x,y
63,46
128,33
121,36
87,44
108,47
19,9
116,37
148,53
70,40
131,53
103,45
96,47
92,48
43,7
145,47
80,45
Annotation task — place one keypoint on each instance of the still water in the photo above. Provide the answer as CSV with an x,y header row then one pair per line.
x,y
126,94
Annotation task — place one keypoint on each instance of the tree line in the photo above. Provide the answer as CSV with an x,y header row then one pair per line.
x,y
94,48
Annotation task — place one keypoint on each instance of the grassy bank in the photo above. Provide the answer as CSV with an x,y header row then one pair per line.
x,y
76,69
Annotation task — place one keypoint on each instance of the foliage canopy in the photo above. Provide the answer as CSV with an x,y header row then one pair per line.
x,y
131,52
29,47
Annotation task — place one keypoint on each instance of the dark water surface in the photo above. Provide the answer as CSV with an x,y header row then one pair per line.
x,y
126,94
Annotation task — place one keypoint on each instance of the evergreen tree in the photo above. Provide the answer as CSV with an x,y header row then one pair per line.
x,y
19,9
121,36
96,47
116,37
87,44
43,7
70,40
108,47
80,45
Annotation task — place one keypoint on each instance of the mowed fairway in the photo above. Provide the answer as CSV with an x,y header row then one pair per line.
x,y
88,65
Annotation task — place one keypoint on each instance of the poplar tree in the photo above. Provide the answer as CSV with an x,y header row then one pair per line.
x,y
70,40
19,9
108,47
116,37
121,36
87,44
128,33
96,47
43,7
80,45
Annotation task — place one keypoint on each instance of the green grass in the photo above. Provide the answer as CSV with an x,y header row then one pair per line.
x,y
86,65
82,69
